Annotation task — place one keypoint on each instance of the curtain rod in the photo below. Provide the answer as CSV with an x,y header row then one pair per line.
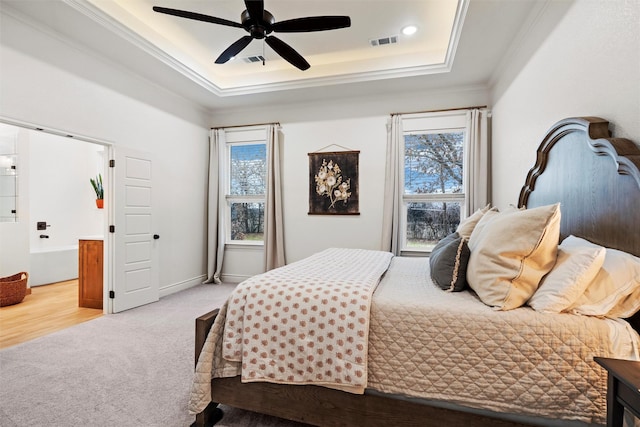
x,y
438,111
244,126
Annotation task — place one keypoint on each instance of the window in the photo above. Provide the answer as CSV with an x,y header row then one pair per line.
x,y
247,181
434,194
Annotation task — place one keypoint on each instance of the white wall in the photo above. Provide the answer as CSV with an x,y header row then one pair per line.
x,y
79,93
357,124
589,65
306,234
60,195
60,192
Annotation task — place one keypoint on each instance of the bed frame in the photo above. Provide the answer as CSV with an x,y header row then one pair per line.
x,y
597,180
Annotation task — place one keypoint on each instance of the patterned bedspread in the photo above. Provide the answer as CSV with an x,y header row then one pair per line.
x,y
307,322
450,347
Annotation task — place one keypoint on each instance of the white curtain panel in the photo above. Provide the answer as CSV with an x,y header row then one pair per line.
x,y
216,220
477,174
273,224
393,187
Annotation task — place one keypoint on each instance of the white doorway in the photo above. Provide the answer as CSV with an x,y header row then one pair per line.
x,y
25,231
54,204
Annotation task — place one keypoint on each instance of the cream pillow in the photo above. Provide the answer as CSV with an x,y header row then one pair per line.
x,y
626,306
575,268
477,230
615,291
467,225
511,253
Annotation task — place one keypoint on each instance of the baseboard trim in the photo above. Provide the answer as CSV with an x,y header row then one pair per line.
x,y
181,286
233,278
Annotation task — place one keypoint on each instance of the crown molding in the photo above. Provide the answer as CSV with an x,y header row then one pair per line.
x,y
99,16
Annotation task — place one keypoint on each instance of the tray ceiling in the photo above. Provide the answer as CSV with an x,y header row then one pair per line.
x,y
457,43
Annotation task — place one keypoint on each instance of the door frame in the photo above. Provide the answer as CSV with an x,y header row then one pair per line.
x,y
109,212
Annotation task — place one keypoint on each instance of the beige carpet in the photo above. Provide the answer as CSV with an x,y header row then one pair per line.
x,y
127,369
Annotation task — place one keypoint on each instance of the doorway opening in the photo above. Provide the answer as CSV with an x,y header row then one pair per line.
x,y
54,208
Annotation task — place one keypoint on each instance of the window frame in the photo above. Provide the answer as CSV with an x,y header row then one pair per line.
x,y
431,123
239,137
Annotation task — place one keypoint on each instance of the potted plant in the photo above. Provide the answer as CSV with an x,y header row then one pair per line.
x,y
99,189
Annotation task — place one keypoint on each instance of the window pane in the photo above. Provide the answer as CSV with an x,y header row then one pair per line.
x,y
248,169
427,223
247,221
433,163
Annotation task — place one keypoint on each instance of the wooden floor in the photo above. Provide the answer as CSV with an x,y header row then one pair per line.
x,y
48,309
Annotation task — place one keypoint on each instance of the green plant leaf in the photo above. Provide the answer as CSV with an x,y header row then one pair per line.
x,y
97,186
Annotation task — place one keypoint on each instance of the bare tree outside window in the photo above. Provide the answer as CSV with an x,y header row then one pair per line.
x,y
433,166
248,173
247,221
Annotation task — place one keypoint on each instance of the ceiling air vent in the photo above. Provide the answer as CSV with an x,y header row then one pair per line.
x,y
383,41
255,58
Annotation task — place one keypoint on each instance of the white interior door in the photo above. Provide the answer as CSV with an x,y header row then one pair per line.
x,y
136,278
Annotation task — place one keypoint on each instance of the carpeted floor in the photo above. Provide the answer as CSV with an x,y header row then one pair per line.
x,y
126,369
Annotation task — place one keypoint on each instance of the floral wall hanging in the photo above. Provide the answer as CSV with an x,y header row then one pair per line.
x,y
333,183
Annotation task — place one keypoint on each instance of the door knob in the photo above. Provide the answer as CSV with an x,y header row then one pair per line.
x,y
156,236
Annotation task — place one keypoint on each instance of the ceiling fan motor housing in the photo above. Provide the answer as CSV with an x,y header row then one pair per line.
x,y
258,29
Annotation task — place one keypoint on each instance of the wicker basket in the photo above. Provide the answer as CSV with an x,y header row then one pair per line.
x,y
13,288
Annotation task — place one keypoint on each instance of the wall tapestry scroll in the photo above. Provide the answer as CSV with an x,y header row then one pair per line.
x,y
333,183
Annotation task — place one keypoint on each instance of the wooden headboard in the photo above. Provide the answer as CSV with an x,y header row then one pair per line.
x,y
596,178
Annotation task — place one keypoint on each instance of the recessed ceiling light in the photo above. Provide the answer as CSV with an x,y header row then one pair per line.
x,y
409,30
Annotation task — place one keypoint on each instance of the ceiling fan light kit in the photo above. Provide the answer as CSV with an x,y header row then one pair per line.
x,y
260,23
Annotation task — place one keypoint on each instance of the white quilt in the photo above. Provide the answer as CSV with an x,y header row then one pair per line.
x,y
451,347
427,343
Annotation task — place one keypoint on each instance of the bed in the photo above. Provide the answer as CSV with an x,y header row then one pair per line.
x,y
522,367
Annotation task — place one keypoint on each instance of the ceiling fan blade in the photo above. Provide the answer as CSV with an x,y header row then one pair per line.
x,y
196,16
287,53
255,9
234,49
312,23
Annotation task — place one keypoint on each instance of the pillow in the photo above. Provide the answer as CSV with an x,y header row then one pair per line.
x,y
626,306
448,263
467,225
477,230
612,291
511,253
576,266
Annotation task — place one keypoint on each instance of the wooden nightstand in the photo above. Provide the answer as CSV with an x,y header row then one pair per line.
x,y
623,388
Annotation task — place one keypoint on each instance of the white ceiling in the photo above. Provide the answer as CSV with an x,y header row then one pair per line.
x,y
343,54
458,43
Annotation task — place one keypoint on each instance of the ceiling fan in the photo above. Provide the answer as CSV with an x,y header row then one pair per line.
x,y
259,23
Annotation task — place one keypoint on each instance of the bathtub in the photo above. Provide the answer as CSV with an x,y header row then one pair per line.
x,y
53,265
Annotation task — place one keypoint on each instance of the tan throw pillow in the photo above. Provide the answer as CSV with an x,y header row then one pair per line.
x,y
477,230
467,225
511,253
